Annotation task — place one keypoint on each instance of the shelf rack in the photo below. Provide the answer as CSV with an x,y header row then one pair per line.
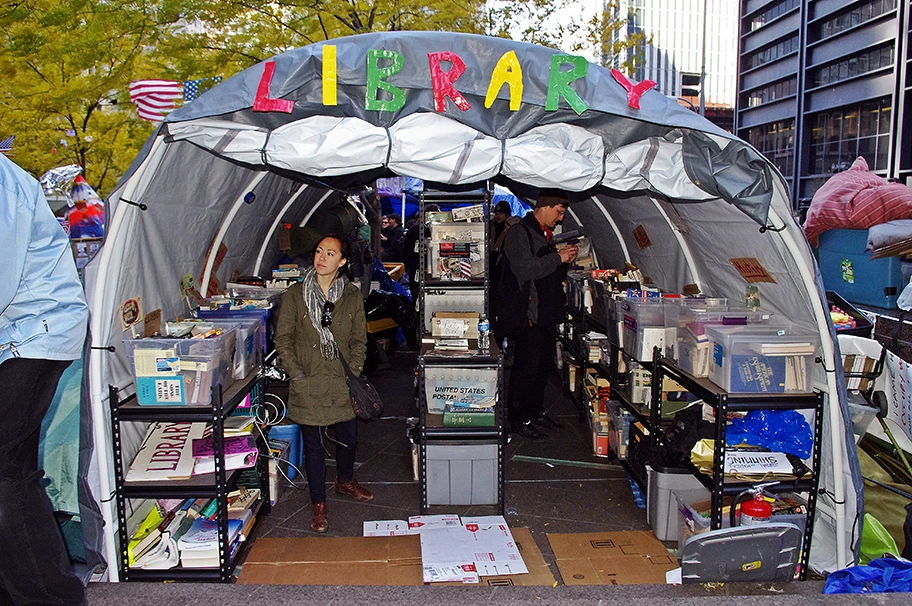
x,y
215,485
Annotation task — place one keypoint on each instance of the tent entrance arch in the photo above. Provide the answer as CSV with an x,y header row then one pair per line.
x,y
703,198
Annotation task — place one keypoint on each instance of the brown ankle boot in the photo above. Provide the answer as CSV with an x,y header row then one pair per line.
x,y
318,522
353,489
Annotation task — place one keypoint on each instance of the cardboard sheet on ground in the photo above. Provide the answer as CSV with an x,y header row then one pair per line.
x,y
611,558
392,561
485,542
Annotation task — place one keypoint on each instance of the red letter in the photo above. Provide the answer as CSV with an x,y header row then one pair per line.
x,y
443,81
634,91
262,102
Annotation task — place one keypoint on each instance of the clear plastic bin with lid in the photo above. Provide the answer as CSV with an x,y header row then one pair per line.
x,y
761,358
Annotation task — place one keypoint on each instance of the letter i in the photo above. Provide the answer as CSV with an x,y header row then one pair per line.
x,y
330,83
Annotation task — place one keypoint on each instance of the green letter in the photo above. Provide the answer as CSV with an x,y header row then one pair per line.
x,y
375,77
559,82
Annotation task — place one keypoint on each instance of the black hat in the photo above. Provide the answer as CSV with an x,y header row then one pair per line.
x,y
503,207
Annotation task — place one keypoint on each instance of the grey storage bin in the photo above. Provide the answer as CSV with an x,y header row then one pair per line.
x,y
451,299
661,507
462,473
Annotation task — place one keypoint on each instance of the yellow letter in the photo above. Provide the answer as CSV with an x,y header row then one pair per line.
x,y
329,74
507,71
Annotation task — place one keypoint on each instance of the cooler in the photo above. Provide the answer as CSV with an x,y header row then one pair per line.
x,y
847,268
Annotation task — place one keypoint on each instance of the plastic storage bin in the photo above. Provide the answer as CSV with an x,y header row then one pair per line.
x,y
290,433
691,345
761,358
266,316
642,323
847,268
674,308
191,383
445,384
245,341
619,429
661,507
462,473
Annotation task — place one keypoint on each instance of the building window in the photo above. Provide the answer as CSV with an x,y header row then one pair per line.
x,y
854,65
856,16
773,92
771,53
776,141
773,13
841,135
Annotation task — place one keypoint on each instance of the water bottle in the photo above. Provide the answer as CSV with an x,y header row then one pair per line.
x,y
484,333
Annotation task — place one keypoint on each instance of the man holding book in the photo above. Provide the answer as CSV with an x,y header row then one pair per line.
x,y
536,262
43,317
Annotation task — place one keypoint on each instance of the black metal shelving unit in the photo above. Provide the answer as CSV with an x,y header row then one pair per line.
x,y
215,485
723,403
430,428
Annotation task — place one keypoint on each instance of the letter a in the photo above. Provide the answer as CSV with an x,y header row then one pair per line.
x,y
507,71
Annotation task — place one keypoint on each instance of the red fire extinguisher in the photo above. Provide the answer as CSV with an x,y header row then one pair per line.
x,y
754,510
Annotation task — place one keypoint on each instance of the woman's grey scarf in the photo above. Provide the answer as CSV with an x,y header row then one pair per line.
x,y
313,296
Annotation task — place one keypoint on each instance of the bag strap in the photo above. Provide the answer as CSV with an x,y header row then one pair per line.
x,y
348,370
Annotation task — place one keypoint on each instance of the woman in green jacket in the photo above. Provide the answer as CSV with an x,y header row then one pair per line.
x,y
320,319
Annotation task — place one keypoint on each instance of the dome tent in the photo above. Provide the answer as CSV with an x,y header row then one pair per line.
x,y
651,182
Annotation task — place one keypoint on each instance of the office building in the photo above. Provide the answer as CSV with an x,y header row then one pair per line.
x,y
821,82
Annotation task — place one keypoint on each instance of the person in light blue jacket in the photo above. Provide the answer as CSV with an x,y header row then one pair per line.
x,y
43,318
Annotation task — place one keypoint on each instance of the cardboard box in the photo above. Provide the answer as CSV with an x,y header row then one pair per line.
x,y
611,558
455,324
391,561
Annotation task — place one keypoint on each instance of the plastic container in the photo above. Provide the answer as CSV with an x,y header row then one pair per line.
x,y
619,429
643,326
290,433
689,324
693,510
445,384
848,269
661,507
191,384
246,342
462,473
266,317
674,308
761,358
863,325
221,346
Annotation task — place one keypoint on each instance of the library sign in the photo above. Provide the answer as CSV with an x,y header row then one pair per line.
x,y
383,64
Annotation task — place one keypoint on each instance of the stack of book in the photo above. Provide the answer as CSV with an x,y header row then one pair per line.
x,y
199,547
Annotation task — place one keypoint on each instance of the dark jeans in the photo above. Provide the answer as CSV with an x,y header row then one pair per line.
x,y
531,369
34,566
346,439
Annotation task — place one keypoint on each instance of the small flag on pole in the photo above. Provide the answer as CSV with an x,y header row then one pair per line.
x,y
6,145
156,98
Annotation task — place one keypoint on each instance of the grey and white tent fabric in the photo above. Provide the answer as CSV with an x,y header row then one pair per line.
x,y
656,185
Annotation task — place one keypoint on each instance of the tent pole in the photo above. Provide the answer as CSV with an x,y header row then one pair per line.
x,y
101,325
223,229
685,248
314,209
275,224
614,227
833,408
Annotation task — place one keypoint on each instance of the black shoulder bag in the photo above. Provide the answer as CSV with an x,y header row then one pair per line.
x,y
365,400
509,299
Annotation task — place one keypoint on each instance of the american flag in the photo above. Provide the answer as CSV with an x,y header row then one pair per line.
x,y
6,145
155,98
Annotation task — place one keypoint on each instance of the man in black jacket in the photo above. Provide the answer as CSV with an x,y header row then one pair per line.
x,y
546,269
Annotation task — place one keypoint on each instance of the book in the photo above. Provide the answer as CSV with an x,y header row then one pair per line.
x,y
238,425
249,519
206,558
146,535
757,373
163,556
240,451
204,534
165,453
787,349
242,499
454,344
460,416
